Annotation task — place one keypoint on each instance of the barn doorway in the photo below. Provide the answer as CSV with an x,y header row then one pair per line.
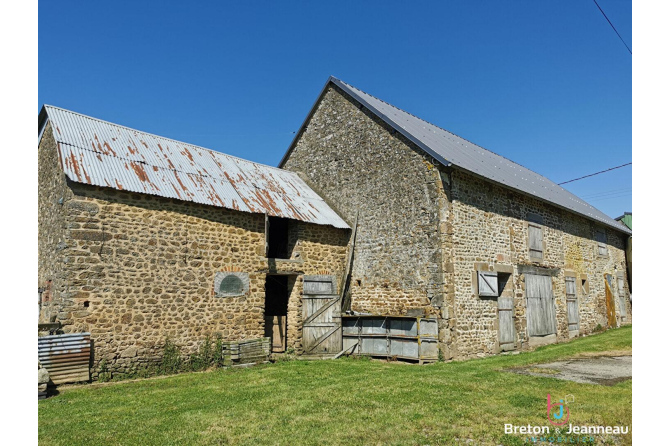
x,y
506,331
540,305
277,291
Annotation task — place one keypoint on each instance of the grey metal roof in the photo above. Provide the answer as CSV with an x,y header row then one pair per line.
x,y
450,149
103,154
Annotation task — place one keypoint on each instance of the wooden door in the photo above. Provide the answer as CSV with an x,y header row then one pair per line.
x,y
622,298
322,321
573,306
506,335
275,329
609,302
540,307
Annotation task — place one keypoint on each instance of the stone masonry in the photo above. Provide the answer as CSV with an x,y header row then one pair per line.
x,y
135,269
424,231
348,157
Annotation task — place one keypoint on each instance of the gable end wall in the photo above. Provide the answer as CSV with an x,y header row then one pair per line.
x,y
361,165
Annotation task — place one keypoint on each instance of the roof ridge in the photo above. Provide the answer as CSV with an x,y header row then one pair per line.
x,y
216,152
448,131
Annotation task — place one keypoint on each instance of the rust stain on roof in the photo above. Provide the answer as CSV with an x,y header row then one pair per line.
x,y
139,171
109,148
188,154
75,166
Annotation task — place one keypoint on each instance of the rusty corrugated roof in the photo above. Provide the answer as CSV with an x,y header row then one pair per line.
x,y
104,154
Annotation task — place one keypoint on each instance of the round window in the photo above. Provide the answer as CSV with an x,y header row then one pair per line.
x,y
231,285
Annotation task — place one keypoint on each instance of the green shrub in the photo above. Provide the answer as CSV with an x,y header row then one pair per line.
x,y
204,358
217,356
171,360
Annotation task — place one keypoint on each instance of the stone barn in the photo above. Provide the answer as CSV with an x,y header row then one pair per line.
x,y
143,238
503,257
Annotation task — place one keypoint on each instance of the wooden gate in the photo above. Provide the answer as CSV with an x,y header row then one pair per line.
x,y
573,306
540,307
609,302
322,321
506,323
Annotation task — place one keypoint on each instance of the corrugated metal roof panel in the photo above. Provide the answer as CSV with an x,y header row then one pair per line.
x,y
451,149
103,154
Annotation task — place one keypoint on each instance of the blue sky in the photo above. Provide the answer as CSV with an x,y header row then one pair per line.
x,y
544,83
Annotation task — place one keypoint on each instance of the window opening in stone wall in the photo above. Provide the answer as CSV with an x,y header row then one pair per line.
x,y
601,238
231,284
585,290
278,238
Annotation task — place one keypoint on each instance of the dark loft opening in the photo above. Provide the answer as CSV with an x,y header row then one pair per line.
x,y
503,278
277,290
277,238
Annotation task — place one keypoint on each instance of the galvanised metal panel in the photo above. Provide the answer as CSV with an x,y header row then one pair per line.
x,y
103,154
450,149
66,357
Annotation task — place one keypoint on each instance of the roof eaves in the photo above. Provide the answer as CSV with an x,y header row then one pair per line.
x,y
345,87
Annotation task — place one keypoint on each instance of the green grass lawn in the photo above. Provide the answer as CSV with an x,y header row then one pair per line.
x,y
344,401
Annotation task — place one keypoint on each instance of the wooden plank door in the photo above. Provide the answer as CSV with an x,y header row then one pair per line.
x,y
506,336
322,321
622,298
609,302
275,329
540,307
573,306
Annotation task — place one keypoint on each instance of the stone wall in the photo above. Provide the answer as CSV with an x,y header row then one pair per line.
x,y
135,269
424,231
362,168
491,233
53,191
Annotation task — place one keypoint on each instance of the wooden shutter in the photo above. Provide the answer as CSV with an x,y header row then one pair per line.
x,y
535,240
506,323
540,308
487,283
573,306
601,238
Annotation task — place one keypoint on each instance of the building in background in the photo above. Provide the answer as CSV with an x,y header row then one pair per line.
x,y
627,220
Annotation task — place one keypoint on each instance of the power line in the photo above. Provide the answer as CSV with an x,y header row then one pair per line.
x,y
608,21
597,173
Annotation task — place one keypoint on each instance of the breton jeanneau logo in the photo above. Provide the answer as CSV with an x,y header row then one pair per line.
x,y
558,414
